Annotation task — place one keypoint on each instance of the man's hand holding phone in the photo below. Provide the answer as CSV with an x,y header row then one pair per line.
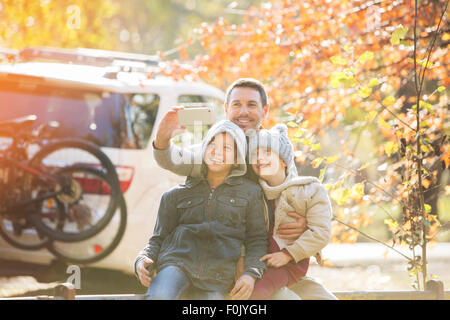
x,y
168,127
175,120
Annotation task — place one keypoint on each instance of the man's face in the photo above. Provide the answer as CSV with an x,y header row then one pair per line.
x,y
245,108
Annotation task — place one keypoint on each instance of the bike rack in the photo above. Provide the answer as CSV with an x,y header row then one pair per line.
x,y
434,291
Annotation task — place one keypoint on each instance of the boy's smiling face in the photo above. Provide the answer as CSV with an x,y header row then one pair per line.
x,y
268,163
220,154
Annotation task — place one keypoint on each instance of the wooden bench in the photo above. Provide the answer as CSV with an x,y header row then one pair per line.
x,y
434,291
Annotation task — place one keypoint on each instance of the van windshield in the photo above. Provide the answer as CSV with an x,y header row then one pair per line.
x,y
93,115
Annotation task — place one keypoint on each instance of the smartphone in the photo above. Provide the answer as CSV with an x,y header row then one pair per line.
x,y
191,116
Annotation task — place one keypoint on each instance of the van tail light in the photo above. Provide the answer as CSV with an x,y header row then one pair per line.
x,y
94,186
125,175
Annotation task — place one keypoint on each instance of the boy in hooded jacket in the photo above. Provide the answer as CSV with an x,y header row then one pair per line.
x,y
272,159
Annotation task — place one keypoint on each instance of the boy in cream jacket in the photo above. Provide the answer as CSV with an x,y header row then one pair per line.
x,y
272,159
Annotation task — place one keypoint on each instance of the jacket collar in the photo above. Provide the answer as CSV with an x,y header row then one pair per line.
x,y
191,182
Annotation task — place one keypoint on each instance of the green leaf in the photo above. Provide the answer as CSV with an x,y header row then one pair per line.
x,y
413,272
347,49
331,159
426,105
391,223
389,101
383,123
349,82
357,191
425,63
322,173
339,78
441,88
292,124
336,78
373,82
364,92
364,166
390,147
338,60
427,208
316,147
316,162
398,34
340,195
368,55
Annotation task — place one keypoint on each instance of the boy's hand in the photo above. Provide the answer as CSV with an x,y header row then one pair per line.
x,y
143,273
292,231
277,259
243,288
168,128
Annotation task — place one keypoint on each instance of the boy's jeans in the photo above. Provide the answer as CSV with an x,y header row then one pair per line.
x,y
172,284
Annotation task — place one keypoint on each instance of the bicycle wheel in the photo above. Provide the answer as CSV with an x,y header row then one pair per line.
x,y
88,200
95,248
22,235
69,152
66,152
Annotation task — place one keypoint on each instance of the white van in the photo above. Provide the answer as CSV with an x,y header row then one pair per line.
x,y
110,99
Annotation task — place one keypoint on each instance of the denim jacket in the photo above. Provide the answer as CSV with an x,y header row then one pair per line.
x,y
201,230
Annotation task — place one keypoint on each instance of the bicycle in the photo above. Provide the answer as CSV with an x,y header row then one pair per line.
x,y
45,189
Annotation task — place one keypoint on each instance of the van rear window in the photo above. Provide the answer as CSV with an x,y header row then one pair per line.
x,y
93,115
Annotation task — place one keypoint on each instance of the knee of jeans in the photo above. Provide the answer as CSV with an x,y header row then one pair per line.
x,y
159,295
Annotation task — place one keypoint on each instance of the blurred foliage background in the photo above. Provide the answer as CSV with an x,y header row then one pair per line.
x,y
140,26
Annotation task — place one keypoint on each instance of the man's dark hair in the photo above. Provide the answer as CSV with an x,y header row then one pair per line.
x,y
248,83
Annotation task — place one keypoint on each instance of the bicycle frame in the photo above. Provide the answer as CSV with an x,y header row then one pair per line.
x,y
48,178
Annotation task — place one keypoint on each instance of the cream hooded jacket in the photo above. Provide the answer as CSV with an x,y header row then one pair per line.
x,y
306,196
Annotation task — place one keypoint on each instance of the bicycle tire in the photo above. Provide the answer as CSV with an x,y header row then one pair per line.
x,y
23,242
70,143
89,249
76,208
94,153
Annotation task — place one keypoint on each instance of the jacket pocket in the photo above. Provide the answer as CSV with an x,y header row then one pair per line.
x,y
231,210
191,210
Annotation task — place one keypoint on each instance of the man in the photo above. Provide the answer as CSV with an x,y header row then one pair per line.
x,y
246,105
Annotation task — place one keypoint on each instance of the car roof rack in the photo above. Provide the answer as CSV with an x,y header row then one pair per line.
x,y
92,57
